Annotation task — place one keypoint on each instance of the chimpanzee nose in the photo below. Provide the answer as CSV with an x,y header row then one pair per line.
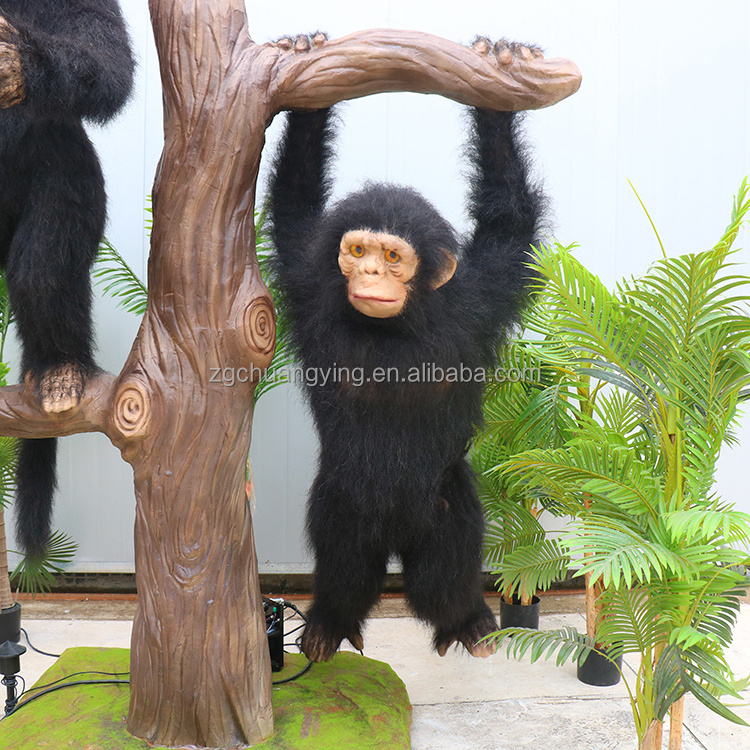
x,y
372,265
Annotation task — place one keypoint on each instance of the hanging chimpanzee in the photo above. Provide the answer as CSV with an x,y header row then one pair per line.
x,y
61,61
383,300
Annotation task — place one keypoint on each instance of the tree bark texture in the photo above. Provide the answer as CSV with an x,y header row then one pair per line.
x,y
676,719
6,593
200,671
653,737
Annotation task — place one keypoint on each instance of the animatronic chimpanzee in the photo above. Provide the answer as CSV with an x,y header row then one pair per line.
x,y
61,61
380,296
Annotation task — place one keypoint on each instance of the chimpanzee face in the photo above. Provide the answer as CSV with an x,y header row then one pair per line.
x,y
381,269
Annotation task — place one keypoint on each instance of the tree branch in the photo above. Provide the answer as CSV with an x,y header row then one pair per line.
x,y
381,60
21,416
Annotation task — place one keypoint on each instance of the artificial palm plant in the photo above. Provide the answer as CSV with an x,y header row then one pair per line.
x,y
667,357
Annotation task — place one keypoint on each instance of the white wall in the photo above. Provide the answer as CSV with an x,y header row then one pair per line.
x,y
664,102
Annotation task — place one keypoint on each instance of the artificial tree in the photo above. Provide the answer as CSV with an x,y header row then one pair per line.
x,y
200,672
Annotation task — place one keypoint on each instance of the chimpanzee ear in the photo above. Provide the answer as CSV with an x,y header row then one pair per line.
x,y
446,271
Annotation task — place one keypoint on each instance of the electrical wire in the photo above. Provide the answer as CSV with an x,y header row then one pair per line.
x,y
34,648
60,687
34,688
61,683
302,671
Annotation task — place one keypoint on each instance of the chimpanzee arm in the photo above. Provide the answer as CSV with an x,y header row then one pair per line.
x,y
507,212
301,181
76,59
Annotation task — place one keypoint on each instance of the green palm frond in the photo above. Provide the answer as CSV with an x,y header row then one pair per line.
x,y
8,462
284,356
118,279
709,524
582,313
715,605
621,556
620,412
632,618
567,643
601,469
740,209
32,575
532,567
699,670
510,525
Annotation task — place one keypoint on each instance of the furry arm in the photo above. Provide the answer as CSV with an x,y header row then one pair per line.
x,y
301,183
507,210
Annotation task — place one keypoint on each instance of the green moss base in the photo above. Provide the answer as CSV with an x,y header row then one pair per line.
x,y
349,702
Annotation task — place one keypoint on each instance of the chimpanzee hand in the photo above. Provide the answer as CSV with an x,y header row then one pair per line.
x,y
11,75
300,43
507,53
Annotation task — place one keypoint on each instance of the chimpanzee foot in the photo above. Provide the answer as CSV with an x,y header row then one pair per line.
x,y
468,634
301,43
61,388
320,644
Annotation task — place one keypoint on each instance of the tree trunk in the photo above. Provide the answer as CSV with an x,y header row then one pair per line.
x,y
593,608
200,667
676,718
6,594
652,738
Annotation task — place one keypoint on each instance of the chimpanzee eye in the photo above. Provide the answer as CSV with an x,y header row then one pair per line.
x,y
357,251
392,256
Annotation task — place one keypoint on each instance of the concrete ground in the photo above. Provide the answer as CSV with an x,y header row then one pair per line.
x,y
460,703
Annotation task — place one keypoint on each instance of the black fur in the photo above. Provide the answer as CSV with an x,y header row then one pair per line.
x,y
77,64
392,478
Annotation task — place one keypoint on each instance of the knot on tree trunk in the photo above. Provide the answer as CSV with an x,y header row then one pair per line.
x,y
260,326
132,409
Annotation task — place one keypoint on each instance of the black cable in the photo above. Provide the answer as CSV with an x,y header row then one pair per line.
x,y
65,685
51,687
295,676
294,630
34,648
34,688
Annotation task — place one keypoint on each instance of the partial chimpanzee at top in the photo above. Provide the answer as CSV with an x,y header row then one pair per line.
x,y
61,61
379,284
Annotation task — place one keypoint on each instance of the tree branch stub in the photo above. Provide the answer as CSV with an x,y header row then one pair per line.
x,y
22,417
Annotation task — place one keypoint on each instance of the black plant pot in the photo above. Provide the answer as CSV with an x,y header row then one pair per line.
x,y
598,670
519,615
10,624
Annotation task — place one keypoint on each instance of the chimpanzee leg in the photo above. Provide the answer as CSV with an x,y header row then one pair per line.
x,y
442,567
47,271
350,566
